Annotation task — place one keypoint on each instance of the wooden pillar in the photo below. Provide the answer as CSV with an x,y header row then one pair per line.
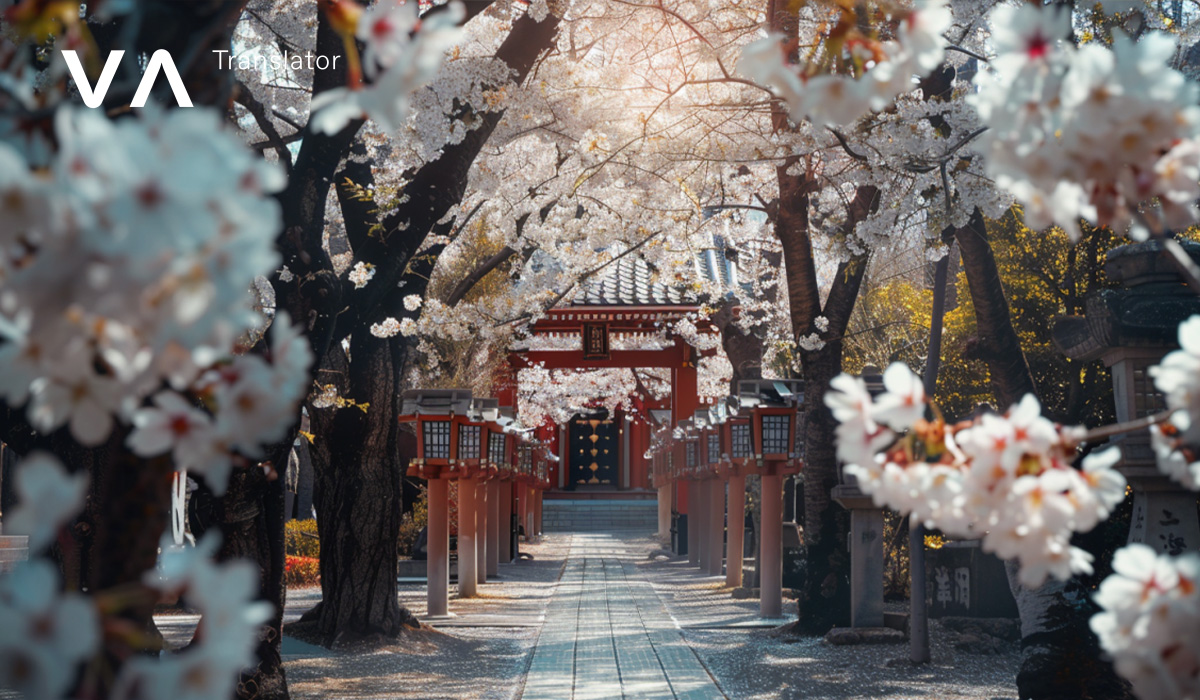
x,y
537,511
493,528
737,531
693,522
770,580
437,565
506,511
467,578
716,526
702,511
523,508
664,511
481,529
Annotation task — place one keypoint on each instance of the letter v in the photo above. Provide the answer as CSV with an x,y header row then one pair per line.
x,y
92,98
161,60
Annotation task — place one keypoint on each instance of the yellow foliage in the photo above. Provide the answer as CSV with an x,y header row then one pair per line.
x,y
300,538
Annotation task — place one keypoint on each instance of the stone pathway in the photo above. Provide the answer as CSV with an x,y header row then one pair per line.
x,y
608,635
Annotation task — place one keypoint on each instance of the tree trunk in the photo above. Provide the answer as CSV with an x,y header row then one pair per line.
x,y
825,596
1061,658
252,528
358,498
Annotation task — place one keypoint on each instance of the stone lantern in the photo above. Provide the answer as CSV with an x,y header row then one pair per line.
x,y
866,537
1131,328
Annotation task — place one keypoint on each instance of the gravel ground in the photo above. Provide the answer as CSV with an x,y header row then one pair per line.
x,y
484,663
760,664
489,662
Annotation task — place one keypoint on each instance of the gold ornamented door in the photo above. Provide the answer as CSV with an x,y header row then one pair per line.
x,y
594,447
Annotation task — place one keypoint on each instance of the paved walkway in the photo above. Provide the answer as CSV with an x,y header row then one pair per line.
x,y
608,635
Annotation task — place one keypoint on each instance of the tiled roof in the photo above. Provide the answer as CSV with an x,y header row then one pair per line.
x,y
628,282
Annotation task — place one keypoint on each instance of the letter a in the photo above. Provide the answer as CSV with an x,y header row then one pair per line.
x,y
92,98
161,60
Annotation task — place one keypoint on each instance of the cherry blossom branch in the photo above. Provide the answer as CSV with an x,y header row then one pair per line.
x,y
245,98
846,146
1183,262
1107,431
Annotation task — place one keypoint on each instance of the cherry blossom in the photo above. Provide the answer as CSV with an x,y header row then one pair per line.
x,y
48,497
826,97
43,633
1107,135
1005,478
1150,621
1177,376
397,63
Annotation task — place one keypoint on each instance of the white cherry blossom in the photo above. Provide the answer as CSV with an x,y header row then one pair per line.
x,y
48,497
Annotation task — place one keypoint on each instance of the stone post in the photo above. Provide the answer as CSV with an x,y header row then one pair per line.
x,y
866,556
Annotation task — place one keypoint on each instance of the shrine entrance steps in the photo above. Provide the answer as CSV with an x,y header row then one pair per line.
x,y
599,515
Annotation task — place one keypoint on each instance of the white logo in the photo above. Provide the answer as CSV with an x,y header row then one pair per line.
x,y
94,97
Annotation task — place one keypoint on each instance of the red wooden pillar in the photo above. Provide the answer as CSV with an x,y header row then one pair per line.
x,y
523,510
481,528
467,578
537,511
437,566
493,528
770,581
506,511
698,520
737,534
685,399
716,526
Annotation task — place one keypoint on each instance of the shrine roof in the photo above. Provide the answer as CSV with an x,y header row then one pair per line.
x,y
630,281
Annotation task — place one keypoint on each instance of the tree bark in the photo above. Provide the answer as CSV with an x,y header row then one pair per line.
x,y
358,493
825,594
1060,657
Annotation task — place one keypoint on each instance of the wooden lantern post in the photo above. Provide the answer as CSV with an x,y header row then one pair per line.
x,y
772,407
436,415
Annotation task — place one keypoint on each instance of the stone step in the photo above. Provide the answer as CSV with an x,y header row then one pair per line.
x,y
14,541
14,554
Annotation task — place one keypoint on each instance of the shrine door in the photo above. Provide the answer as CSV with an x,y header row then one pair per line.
x,y
594,446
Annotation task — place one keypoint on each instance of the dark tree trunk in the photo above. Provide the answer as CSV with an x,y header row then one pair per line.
x,y
358,498
825,595
996,341
251,519
358,480
1061,658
